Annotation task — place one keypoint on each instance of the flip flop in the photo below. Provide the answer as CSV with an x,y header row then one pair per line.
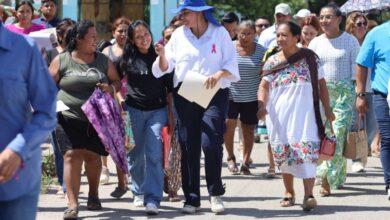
x,y
309,203
71,213
287,202
93,203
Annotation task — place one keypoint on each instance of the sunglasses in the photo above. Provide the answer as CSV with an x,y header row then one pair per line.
x,y
361,24
262,25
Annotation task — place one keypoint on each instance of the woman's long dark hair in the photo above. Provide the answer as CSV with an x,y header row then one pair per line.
x,y
131,51
79,30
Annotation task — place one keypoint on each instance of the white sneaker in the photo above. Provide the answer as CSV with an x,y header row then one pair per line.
x,y
357,167
138,201
105,176
151,209
189,209
217,204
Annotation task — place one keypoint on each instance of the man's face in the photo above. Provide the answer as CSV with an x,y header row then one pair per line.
x,y
280,18
261,24
49,9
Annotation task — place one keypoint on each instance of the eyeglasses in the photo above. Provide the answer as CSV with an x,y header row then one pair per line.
x,y
262,25
326,17
361,24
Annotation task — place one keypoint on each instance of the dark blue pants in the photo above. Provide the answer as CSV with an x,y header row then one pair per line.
x,y
200,128
58,160
382,115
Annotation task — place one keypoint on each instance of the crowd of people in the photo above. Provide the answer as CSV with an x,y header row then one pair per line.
x,y
304,76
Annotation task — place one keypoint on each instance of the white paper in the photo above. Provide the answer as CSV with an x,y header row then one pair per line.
x,y
61,106
154,2
194,90
44,38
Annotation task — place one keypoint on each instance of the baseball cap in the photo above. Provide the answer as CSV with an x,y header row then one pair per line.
x,y
283,8
302,13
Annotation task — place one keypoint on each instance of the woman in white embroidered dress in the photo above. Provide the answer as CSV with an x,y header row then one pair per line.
x,y
286,95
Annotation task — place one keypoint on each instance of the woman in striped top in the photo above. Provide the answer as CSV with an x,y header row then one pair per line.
x,y
243,95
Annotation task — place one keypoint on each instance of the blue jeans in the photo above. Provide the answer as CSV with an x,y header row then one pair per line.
x,y
23,208
382,115
145,160
59,160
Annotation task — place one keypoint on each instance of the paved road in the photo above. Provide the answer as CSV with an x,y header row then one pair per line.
x,y
247,197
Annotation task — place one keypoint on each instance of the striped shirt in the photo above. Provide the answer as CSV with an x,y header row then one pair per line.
x,y
249,68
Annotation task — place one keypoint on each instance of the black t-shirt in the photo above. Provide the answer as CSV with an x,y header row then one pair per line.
x,y
144,90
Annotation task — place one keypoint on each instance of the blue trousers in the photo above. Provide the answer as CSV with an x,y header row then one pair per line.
x,y
145,160
382,115
58,160
200,128
23,208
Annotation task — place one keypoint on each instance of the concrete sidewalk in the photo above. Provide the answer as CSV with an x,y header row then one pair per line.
x,y
247,197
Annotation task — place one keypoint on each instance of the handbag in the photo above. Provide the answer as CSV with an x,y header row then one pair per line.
x,y
328,145
356,145
166,139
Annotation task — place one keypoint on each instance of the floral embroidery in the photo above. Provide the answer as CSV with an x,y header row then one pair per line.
x,y
296,153
294,74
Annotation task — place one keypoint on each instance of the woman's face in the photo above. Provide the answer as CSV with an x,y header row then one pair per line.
x,y
246,36
167,35
284,37
89,42
120,34
24,14
189,18
142,38
360,28
329,22
308,33
231,29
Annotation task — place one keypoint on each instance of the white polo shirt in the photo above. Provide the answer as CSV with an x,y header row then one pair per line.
x,y
212,52
268,37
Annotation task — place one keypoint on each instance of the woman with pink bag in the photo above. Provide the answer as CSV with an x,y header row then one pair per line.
x,y
289,92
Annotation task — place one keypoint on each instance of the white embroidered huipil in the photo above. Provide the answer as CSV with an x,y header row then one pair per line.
x,y
212,52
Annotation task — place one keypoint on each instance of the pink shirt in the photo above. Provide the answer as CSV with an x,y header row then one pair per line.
x,y
18,30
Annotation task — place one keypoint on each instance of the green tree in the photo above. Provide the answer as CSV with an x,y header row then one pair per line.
x,y
252,9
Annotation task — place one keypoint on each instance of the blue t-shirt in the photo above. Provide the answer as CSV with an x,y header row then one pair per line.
x,y
375,54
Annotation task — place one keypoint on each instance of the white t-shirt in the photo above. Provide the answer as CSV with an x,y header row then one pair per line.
x,y
338,56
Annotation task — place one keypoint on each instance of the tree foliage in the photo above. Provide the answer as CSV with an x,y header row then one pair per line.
x,y
252,9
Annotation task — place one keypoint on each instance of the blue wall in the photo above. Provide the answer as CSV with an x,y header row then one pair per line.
x,y
70,9
160,15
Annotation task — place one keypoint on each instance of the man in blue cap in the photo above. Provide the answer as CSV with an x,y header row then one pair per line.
x,y
201,46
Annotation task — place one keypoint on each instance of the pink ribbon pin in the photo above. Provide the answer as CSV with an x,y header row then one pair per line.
x,y
213,49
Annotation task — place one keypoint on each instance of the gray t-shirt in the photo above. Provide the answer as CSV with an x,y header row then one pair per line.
x,y
78,81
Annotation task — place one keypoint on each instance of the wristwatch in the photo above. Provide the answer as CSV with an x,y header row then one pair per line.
x,y
361,94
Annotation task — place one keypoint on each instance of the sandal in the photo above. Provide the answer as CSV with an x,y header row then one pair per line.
x,y
245,169
325,188
71,213
232,166
287,202
93,203
309,203
324,192
270,174
119,192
